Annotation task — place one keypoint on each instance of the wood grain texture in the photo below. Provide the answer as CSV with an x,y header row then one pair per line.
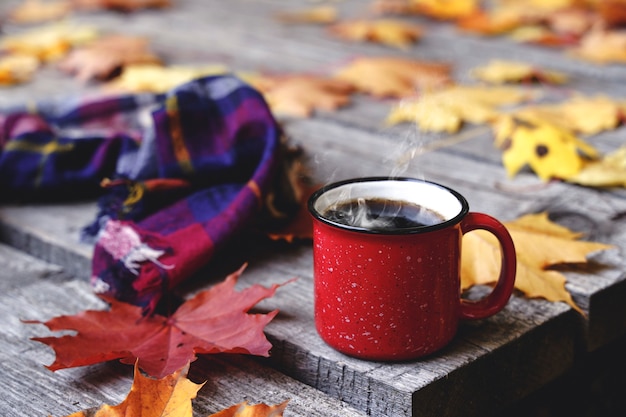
x,y
491,363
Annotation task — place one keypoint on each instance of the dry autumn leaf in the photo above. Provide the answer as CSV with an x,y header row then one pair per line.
x,y
579,114
608,171
102,57
18,68
447,109
318,15
446,9
151,78
123,5
50,42
258,410
214,321
389,32
540,244
37,11
502,72
300,94
602,46
169,396
394,76
551,151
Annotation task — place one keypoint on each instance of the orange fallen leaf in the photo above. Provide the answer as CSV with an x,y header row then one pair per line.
x,y
486,23
301,94
389,32
50,42
540,244
169,396
37,11
394,76
318,15
16,69
258,410
214,321
102,57
446,9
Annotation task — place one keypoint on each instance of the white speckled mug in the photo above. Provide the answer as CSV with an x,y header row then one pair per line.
x,y
390,290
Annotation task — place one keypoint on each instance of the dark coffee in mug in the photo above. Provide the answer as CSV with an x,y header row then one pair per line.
x,y
382,214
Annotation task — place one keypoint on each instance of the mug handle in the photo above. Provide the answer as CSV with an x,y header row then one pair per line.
x,y
499,296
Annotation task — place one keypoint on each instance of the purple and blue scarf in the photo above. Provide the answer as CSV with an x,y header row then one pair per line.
x,y
182,173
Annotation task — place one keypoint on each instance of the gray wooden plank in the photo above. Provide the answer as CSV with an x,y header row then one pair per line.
x,y
30,389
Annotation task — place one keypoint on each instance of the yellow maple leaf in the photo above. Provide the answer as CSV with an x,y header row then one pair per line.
x,y
502,71
447,109
389,32
608,171
551,151
17,68
394,76
155,78
169,396
300,94
580,114
539,244
49,42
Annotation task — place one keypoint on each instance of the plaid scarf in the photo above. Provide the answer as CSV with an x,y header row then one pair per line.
x,y
183,172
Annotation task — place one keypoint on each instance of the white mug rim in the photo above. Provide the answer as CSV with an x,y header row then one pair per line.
x,y
451,215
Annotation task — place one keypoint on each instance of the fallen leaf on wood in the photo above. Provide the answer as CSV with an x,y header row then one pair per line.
x,y
300,94
122,5
394,77
602,46
16,69
446,9
394,33
258,410
50,42
101,58
37,11
486,23
608,171
551,151
501,72
153,78
612,12
214,321
540,244
169,396
579,114
446,110
318,15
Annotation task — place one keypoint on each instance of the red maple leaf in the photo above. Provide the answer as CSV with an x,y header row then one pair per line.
x,y
214,321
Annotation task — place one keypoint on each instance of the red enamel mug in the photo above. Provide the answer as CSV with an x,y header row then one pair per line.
x,y
386,259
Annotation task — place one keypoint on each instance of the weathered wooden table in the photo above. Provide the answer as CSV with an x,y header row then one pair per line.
x,y
492,363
